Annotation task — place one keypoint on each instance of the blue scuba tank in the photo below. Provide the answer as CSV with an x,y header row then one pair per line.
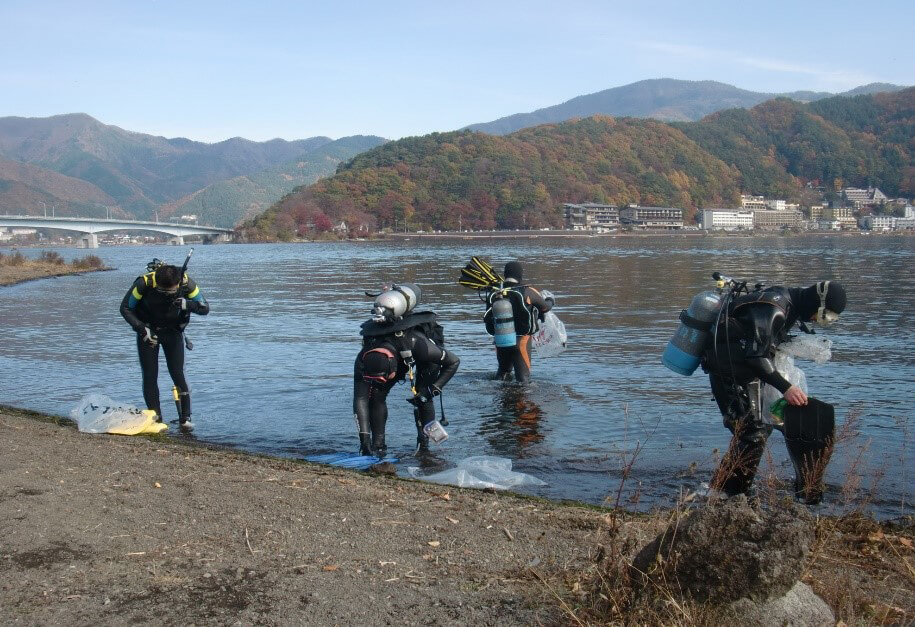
x,y
684,350
503,318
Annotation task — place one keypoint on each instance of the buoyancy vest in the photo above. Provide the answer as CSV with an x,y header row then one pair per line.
x,y
525,314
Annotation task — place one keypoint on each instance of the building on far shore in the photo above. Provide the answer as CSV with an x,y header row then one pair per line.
x,y
842,215
727,219
870,197
887,223
753,203
591,216
776,205
768,219
666,218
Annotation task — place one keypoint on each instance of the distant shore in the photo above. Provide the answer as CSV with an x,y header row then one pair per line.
x,y
529,234
21,270
100,529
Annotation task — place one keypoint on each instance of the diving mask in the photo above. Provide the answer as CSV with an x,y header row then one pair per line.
x,y
824,317
168,291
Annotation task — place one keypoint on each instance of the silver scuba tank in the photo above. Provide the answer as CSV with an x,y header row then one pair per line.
x,y
684,350
503,322
395,303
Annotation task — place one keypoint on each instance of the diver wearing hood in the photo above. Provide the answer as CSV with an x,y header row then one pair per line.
x,y
158,306
398,343
740,353
528,307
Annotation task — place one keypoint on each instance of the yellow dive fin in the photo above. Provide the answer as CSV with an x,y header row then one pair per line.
x,y
147,424
479,275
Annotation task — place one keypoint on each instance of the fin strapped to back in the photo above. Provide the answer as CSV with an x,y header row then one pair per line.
x,y
479,275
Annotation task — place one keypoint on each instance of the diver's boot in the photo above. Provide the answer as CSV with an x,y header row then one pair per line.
x,y
422,440
184,411
158,413
365,445
379,446
737,470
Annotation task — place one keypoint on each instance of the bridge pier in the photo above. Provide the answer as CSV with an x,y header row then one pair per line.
x,y
88,240
177,240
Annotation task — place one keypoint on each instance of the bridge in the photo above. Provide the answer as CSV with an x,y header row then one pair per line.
x,y
90,227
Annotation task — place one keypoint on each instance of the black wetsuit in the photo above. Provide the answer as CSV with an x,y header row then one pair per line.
x,y
528,307
145,306
739,355
434,367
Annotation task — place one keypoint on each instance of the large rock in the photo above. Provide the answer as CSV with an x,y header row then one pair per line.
x,y
800,607
728,550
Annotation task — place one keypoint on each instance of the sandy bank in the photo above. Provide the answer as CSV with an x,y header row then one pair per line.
x,y
108,529
33,270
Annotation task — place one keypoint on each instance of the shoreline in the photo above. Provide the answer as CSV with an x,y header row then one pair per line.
x,y
34,271
100,529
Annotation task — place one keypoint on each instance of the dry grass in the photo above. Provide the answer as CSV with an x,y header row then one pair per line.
x,y
862,568
17,268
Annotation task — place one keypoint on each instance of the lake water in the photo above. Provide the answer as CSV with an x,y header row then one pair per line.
x,y
272,366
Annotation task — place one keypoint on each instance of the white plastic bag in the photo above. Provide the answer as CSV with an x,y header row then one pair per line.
x,y
810,347
97,413
784,364
551,338
480,472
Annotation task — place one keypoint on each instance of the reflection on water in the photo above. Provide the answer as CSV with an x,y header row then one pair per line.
x,y
272,365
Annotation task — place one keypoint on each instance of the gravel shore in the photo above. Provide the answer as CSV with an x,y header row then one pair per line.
x,y
99,529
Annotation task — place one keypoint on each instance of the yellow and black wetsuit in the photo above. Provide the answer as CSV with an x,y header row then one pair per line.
x,y
144,306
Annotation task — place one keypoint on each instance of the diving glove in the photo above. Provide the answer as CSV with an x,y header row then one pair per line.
x,y
148,336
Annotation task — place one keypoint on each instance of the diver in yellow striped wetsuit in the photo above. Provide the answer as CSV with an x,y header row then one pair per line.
x,y
158,306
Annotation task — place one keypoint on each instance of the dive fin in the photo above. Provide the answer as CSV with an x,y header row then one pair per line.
x,y
479,275
809,434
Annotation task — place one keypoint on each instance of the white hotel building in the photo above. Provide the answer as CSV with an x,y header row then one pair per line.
x,y
728,219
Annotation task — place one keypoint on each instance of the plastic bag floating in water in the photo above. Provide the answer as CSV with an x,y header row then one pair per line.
x,y
96,413
480,472
551,338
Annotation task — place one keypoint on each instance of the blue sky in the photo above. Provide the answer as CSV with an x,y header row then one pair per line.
x,y
211,70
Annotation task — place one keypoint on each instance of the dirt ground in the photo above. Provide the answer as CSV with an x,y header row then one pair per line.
x,y
32,270
98,529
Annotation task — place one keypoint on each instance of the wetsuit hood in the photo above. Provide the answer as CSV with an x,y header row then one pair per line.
x,y
809,300
513,272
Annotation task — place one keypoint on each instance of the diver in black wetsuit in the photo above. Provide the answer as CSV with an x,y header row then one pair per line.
x,y
740,354
398,344
528,306
158,306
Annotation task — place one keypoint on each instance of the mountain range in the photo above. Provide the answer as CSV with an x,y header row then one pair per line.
x,y
75,165
660,99
466,179
139,175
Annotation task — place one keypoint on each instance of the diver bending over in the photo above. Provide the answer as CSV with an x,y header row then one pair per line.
x,y
398,344
739,354
158,306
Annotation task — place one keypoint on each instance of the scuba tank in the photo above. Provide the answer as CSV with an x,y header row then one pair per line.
x,y
503,317
396,302
684,350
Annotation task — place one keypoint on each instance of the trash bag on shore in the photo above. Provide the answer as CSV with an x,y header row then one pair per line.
x,y
551,338
97,413
480,472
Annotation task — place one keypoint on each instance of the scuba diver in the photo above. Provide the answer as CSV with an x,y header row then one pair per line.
x,y
513,314
158,306
397,344
737,350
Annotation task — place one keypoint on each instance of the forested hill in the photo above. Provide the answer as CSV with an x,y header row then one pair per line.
x,y
469,179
